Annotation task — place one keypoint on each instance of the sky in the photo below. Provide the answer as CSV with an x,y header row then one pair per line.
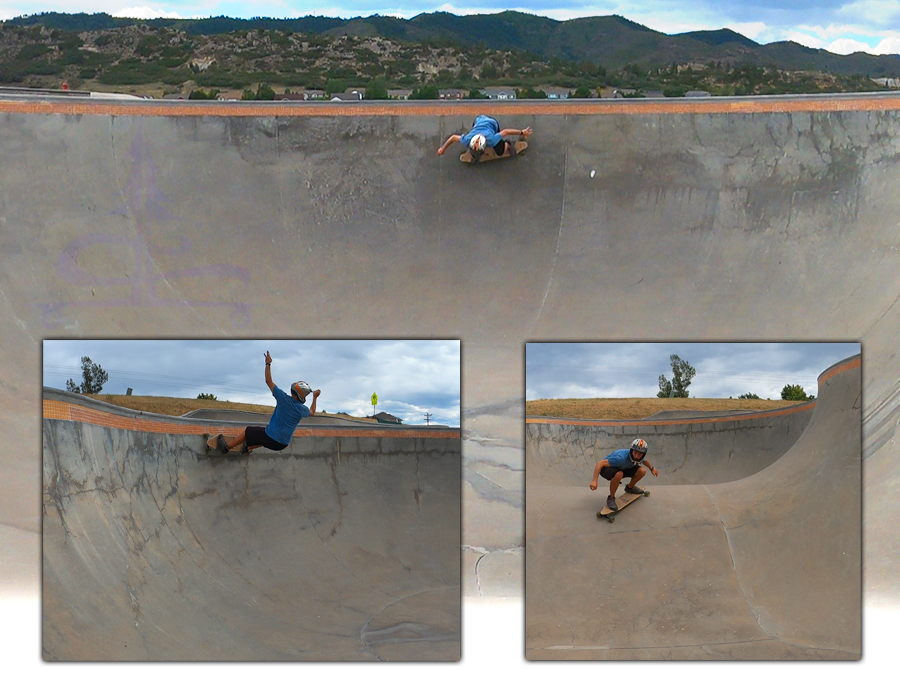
x,y
632,370
840,26
410,378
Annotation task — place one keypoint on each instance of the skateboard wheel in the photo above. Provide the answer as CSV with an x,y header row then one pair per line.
x,y
611,519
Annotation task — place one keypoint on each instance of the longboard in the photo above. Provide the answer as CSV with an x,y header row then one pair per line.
x,y
211,446
622,501
489,155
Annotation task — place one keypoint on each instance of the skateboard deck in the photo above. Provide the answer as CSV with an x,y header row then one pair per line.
x,y
211,444
622,501
489,155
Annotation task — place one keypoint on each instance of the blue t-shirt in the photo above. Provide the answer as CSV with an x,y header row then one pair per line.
x,y
487,127
620,459
288,413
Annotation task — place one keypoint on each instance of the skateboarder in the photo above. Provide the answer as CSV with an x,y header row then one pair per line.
x,y
622,463
289,410
486,132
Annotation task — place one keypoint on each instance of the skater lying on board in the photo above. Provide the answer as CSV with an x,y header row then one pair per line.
x,y
289,410
622,463
486,133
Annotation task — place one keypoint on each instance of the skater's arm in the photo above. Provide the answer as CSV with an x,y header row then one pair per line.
x,y
600,465
312,408
524,133
269,382
450,141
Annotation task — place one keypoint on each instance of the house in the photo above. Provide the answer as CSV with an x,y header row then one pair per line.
x,y
452,94
500,93
399,94
697,94
555,93
354,95
312,94
385,418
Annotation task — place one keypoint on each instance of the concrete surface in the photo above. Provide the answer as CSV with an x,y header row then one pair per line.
x,y
345,546
693,450
766,567
768,219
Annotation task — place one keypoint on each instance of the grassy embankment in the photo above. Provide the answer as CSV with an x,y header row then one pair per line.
x,y
638,408
175,407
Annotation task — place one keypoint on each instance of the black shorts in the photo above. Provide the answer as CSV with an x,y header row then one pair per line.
x,y
609,473
256,435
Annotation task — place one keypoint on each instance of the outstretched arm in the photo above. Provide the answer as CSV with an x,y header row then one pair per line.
x,y
269,382
524,133
600,465
312,408
450,141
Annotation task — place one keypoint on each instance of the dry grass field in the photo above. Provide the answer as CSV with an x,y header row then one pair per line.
x,y
175,407
639,408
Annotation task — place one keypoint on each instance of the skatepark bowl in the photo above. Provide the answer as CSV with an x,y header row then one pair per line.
x,y
763,566
688,219
345,546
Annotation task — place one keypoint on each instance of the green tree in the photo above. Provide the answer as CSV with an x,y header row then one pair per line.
x,y
795,392
682,374
206,396
581,92
93,377
376,90
427,92
748,396
265,92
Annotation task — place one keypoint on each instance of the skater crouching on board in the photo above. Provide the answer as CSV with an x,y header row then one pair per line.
x,y
289,410
485,133
621,463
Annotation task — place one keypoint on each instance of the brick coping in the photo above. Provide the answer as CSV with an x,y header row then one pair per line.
x,y
673,106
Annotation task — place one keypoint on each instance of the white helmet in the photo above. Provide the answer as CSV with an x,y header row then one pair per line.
x,y
478,142
640,445
301,388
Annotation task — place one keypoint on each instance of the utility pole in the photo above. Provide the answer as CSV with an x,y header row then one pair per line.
x,y
428,418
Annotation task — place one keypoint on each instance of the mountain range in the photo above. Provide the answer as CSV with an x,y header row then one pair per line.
x,y
610,41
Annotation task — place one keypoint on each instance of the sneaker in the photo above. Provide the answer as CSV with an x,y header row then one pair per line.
x,y
244,449
611,503
637,490
222,444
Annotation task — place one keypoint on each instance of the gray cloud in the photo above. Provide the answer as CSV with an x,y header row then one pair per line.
x,y
410,377
622,370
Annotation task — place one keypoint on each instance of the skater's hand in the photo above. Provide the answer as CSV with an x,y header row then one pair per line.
x,y
653,471
316,393
593,485
268,358
526,132
441,150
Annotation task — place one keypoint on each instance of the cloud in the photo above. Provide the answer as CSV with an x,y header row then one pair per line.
x,y
889,45
410,377
847,46
144,12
